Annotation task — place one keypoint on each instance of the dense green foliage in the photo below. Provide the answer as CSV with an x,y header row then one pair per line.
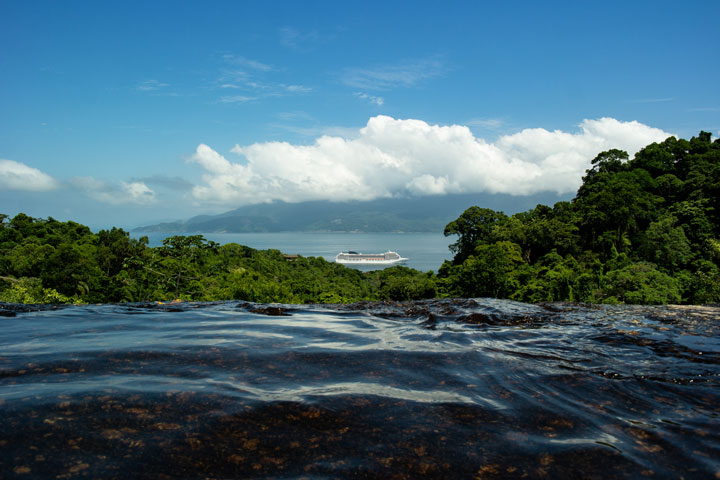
x,y
47,261
644,230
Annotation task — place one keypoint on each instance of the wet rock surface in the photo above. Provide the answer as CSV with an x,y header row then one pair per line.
x,y
470,388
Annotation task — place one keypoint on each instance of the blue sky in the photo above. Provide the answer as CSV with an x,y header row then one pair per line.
x,y
125,113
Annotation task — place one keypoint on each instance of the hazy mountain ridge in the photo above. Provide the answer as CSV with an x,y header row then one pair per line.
x,y
419,214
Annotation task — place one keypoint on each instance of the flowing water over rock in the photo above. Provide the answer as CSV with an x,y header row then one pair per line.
x,y
438,389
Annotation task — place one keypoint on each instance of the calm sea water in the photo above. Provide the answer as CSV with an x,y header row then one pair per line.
x,y
426,251
436,389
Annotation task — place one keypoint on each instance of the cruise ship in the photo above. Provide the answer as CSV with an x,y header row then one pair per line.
x,y
355,258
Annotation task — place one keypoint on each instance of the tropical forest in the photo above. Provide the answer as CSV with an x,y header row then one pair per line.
x,y
644,230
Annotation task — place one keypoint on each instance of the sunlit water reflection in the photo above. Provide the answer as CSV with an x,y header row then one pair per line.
x,y
467,388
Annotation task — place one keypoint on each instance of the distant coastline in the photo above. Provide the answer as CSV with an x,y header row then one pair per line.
x,y
427,250
393,215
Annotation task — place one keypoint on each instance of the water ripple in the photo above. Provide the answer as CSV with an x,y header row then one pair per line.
x,y
466,388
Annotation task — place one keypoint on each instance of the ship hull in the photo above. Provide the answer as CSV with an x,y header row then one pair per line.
x,y
370,262
353,258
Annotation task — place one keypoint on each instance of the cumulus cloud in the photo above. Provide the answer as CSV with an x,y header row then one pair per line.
x,y
119,193
394,157
18,176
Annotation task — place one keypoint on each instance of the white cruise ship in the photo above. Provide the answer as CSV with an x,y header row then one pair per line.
x,y
355,258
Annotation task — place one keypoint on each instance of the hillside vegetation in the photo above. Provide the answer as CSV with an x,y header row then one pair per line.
x,y
47,261
644,231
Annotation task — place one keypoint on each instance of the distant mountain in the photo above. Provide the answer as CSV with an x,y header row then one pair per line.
x,y
421,214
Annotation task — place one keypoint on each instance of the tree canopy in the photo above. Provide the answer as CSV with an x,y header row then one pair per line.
x,y
640,230
46,261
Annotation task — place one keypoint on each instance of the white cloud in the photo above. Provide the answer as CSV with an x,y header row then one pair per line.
x,y
135,192
486,123
296,88
151,86
385,77
246,62
394,157
256,78
236,99
18,176
428,185
370,98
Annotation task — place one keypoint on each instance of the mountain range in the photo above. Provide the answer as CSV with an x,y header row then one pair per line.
x,y
414,214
